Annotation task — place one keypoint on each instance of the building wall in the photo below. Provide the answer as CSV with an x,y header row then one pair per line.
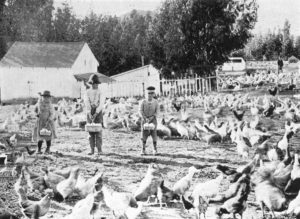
x,y
27,82
146,74
85,62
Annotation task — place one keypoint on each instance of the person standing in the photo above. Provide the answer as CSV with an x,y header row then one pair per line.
x,y
148,110
94,105
280,64
45,120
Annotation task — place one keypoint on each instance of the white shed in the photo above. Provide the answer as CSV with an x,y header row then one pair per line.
x,y
141,78
31,67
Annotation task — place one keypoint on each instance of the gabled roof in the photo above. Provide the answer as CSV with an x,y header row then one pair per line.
x,y
42,54
130,71
85,77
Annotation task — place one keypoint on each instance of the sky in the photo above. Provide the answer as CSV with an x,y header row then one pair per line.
x,y
271,13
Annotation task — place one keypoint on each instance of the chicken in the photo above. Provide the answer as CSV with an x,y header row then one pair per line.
x,y
237,204
33,209
269,111
249,168
294,206
30,152
83,207
273,91
238,114
283,143
231,192
64,172
182,130
165,195
133,213
84,188
20,159
13,140
51,179
226,170
267,194
275,153
242,146
148,185
67,186
118,202
186,204
181,186
293,185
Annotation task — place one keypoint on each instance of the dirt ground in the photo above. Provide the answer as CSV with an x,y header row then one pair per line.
x,y
124,168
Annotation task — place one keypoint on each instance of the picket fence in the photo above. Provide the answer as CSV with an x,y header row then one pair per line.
x,y
165,87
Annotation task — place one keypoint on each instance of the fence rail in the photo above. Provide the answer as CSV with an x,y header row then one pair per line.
x,y
187,86
180,86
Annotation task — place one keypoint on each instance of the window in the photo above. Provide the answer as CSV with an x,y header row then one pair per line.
x,y
148,73
85,62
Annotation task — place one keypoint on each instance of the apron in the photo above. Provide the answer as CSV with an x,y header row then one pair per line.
x,y
44,113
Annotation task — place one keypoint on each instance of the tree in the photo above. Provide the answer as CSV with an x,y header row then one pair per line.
x,y
28,20
66,26
2,29
201,32
297,47
287,44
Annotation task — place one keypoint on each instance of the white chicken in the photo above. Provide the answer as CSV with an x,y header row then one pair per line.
x,y
181,186
149,184
85,187
67,186
118,202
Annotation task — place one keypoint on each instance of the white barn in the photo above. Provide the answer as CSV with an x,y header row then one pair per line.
x,y
134,82
31,67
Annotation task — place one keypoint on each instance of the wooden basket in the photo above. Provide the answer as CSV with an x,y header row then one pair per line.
x,y
45,132
149,126
93,127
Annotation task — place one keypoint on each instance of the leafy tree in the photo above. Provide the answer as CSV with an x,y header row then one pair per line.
x,y
2,29
297,47
66,25
201,33
28,20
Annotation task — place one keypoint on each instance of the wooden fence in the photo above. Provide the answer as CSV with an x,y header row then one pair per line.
x,y
187,86
165,87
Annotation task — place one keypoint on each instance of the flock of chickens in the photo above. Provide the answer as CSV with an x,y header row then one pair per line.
x,y
273,172
259,79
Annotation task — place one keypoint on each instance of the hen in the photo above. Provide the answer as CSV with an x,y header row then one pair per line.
x,y
67,186
165,195
149,184
237,204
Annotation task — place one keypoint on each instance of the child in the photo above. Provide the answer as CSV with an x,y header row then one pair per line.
x,y
45,119
94,106
148,111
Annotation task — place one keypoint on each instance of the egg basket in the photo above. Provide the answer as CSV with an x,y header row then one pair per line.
x,y
93,127
45,132
149,126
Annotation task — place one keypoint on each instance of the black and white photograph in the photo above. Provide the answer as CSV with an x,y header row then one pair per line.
x,y
149,109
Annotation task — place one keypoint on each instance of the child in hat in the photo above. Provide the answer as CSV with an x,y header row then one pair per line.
x,y
94,105
45,120
148,111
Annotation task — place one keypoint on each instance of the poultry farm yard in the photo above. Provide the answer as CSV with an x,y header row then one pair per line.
x,y
124,168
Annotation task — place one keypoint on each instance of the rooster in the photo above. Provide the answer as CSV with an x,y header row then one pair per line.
x,y
238,114
273,91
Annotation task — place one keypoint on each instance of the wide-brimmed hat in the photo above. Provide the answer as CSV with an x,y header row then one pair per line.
x,y
94,79
151,89
46,94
